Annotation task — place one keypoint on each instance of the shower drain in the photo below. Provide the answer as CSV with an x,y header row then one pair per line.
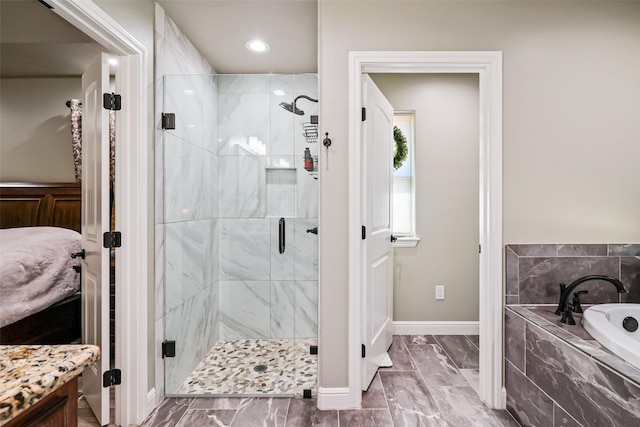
x,y
260,368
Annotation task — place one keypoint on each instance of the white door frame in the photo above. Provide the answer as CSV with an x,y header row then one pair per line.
x,y
131,192
488,65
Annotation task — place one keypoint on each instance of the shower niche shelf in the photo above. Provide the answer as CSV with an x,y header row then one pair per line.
x,y
281,191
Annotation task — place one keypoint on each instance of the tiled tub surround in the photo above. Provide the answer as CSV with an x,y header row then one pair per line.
x,y
534,272
28,373
556,375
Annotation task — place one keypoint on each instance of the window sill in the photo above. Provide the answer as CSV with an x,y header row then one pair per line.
x,y
406,242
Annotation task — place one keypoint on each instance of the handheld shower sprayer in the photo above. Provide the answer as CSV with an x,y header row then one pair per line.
x,y
292,107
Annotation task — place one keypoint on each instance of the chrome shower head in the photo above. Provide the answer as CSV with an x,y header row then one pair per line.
x,y
292,108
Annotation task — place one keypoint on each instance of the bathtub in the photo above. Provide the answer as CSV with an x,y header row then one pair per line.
x,y
604,322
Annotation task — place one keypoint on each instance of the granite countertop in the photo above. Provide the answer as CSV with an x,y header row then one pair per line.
x,y
30,372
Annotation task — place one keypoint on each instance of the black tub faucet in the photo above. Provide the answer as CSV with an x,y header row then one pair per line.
x,y
565,291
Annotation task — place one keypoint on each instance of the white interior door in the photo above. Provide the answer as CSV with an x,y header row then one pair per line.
x,y
377,155
95,222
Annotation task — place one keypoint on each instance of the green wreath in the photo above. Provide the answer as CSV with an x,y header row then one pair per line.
x,y
400,148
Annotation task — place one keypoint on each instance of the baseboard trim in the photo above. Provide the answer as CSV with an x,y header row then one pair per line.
x,y
151,400
436,328
334,398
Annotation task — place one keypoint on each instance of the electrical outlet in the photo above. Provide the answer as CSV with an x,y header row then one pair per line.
x,y
440,292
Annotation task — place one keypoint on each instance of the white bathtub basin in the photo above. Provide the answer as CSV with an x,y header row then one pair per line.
x,y
604,323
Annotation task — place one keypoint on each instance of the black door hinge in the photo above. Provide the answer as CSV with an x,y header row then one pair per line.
x,y
168,348
364,114
479,249
364,351
112,239
168,121
313,349
306,393
111,101
364,232
111,377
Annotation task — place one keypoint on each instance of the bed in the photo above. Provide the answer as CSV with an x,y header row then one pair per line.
x,y
51,209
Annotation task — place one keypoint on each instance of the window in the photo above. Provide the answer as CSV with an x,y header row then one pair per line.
x,y
403,185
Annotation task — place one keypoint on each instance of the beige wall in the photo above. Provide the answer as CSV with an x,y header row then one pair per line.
x,y
35,129
571,130
446,182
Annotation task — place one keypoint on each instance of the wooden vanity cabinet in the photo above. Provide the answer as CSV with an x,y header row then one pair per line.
x,y
58,409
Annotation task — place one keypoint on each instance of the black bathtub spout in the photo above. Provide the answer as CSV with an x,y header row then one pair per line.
x,y
565,291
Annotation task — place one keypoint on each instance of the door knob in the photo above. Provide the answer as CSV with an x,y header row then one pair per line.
x,y
393,238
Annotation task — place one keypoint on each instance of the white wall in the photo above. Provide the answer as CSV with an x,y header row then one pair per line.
x,y
571,130
137,17
446,182
35,129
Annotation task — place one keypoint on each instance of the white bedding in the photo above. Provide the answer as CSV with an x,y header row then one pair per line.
x,y
36,269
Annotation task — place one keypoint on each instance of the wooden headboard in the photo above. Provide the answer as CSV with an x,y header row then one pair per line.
x,y
40,204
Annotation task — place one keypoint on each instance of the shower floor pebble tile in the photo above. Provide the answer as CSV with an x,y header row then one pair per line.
x,y
228,368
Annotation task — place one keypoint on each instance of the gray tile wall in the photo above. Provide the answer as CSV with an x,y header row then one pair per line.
x,y
548,381
551,383
534,272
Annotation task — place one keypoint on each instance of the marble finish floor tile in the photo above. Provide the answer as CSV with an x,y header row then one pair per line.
x,y
207,418
396,398
228,368
400,356
365,417
461,350
270,412
410,401
374,397
436,367
461,406
305,413
168,413
473,378
419,339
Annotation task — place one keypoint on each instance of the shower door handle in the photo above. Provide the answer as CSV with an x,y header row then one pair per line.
x,y
281,236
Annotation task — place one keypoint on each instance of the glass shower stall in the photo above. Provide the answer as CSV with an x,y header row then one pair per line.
x,y
240,208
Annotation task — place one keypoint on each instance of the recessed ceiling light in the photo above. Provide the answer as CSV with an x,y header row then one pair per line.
x,y
257,46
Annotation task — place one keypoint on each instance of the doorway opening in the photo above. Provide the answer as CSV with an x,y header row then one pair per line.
x,y
488,66
133,399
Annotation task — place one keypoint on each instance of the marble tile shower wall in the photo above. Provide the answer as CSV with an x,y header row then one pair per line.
x,y
232,167
187,228
534,272
265,294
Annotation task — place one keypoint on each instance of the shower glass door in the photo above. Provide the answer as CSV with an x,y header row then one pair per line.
x,y
240,234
